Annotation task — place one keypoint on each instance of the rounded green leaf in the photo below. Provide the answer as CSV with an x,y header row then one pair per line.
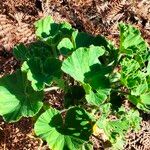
x,y
17,98
65,46
43,27
68,134
84,66
52,33
81,61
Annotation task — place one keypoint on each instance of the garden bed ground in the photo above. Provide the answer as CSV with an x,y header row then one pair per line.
x,y
93,16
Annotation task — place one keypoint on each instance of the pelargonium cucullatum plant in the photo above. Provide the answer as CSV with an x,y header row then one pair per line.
x,y
95,77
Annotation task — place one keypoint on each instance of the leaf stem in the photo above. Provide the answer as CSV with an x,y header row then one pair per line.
x,y
51,89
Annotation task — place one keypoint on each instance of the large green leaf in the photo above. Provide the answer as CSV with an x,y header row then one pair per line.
x,y
81,39
69,134
17,98
82,61
84,66
41,73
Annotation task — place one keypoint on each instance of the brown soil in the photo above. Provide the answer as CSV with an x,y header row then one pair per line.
x,y
93,16
18,136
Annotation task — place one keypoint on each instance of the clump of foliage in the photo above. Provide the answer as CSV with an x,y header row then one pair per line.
x,y
93,74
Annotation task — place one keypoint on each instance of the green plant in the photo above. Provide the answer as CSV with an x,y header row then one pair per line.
x,y
93,74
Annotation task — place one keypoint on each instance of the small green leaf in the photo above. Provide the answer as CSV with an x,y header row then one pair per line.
x,y
132,44
145,98
132,77
43,27
97,97
52,33
140,103
17,98
70,134
134,119
65,46
131,38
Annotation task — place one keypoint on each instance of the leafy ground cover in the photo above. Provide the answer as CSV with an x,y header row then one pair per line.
x,y
91,85
82,85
